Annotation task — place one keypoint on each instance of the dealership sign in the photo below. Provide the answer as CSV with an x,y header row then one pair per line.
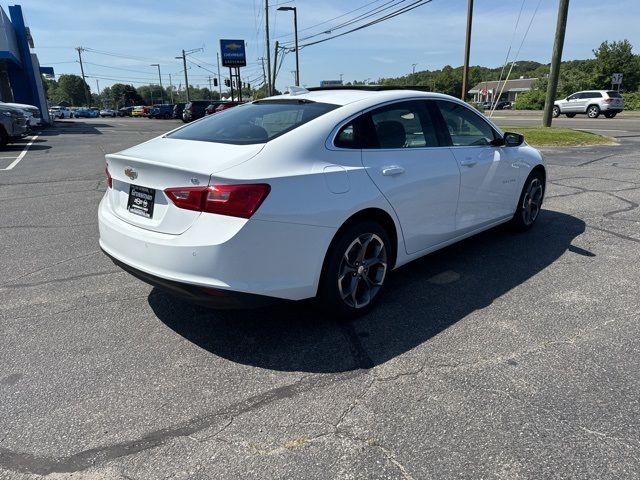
x,y
233,54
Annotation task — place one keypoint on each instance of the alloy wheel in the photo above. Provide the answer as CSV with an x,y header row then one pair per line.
x,y
532,201
362,270
593,112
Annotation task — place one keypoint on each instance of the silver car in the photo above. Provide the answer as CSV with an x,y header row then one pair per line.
x,y
592,102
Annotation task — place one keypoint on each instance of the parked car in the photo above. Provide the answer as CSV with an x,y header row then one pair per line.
x,y
125,111
177,110
592,103
501,105
35,119
13,124
108,112
317,193
194,110
164,110
58,112
139,111
84,112
226,105
211,108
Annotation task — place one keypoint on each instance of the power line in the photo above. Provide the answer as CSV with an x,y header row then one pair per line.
x,y
388,16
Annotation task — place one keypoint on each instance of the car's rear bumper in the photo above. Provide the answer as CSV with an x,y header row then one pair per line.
x,y
206,296
272,259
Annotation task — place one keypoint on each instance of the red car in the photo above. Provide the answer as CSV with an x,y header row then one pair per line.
x,y
225,105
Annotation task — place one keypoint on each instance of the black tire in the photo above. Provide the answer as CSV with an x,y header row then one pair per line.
x,y
610,114
4,138
350,288
167,116
593,111
532,194
571,115
555,113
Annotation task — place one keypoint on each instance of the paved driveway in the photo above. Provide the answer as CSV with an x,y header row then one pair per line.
x,y
506,356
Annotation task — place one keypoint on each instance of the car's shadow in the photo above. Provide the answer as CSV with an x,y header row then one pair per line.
x,y
422,299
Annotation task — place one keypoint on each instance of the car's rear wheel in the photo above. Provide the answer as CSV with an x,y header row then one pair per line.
x,y
593,111
355,270
610,114
571,115
530,202
556,111
4,138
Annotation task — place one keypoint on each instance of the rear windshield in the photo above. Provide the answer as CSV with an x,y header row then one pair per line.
x,y
256,122
614,94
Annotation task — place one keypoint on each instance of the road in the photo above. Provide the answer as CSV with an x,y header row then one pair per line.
x,y
505,356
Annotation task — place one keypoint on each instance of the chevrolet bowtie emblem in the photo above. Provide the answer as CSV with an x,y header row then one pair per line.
x,y
131,173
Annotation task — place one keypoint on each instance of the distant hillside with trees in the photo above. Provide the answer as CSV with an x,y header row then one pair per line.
x,y
594,73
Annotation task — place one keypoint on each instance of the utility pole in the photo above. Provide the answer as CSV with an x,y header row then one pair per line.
x,y
86,88
558,44
467,51
160,78
413,65
219,77
264,74
266,31
170,88
210,87
98,88
186,80
275,63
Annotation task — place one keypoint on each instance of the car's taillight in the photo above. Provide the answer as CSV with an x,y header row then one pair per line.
x,y
608,100
234,200
109,178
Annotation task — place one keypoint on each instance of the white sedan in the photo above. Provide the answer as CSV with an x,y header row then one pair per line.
x,y
316,193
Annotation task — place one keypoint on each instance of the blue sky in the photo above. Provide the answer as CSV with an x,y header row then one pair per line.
x,y
142,32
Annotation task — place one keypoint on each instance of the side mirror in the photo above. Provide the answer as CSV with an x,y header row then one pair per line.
x,y
513,139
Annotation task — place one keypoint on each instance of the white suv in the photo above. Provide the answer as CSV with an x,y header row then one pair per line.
x,y
592,102
60,112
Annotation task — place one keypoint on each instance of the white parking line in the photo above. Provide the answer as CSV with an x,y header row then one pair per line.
x,y
21,156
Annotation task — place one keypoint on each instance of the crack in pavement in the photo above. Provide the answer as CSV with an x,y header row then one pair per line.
x,y
51,266
34,464
12,286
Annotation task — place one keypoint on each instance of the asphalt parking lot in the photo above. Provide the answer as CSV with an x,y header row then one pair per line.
x,y
506,356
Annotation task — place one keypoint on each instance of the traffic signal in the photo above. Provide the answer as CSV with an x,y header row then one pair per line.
x,y
215,82
227,82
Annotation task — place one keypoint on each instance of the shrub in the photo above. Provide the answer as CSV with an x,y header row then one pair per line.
x,y
631,101
531,100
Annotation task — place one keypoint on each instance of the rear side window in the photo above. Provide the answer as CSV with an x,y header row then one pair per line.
x,y
256,122
399,125
591,95
614,94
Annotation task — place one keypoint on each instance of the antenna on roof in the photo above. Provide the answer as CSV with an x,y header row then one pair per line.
x,y
297,91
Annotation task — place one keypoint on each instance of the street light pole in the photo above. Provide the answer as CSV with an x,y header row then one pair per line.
x,y
160,78
295,30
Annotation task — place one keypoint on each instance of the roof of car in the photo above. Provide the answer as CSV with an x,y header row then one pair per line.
x,y
346,95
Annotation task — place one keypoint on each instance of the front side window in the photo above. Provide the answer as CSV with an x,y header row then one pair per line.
x,y
257,122
403,125
465,127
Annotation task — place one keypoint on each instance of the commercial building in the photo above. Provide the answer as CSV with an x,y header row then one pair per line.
x,y
20,79
489,91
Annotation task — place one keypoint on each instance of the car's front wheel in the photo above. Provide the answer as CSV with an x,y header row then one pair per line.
x,y
593,111
355,270
530,202
556,111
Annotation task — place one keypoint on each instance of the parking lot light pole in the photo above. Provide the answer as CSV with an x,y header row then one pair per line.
x,y
295,30
160,78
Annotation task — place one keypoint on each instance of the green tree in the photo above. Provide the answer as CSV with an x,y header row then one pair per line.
x,y
124,95
72,89
616,57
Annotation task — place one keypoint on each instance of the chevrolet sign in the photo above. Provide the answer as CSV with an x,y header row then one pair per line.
x,y
232,53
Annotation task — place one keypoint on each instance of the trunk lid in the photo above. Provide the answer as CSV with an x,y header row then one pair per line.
x,y
141,173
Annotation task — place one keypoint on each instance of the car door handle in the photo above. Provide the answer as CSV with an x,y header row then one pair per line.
x,y
392,170
468,162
